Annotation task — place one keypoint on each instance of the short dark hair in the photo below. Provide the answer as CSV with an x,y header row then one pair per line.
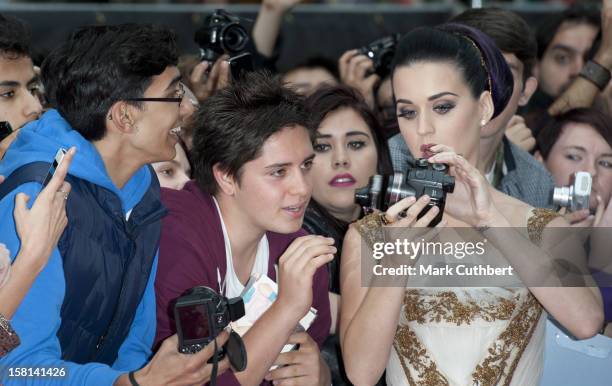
x,y
467,48
232,126
509,31
574,14
329,98
100,65
602,123
14,37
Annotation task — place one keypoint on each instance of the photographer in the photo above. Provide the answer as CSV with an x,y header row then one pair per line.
x,y
240,217
19,84
90,313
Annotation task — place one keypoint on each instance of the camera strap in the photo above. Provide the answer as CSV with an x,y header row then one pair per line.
x,y
213,374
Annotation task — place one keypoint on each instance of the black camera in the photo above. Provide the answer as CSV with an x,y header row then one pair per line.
x,y
422,178
381,52
200,315
221,34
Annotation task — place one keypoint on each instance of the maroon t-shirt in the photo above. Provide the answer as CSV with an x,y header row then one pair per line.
x,y
192,249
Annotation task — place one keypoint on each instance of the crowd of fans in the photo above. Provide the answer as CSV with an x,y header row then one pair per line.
x,y
182,173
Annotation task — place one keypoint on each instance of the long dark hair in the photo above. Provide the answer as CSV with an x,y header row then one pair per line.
x,y
481,63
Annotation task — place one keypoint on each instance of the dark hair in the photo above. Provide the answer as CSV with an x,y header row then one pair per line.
x,y
551,133
579,14
481,63
508,30
100,65
317,62
330,98
232,125
14,37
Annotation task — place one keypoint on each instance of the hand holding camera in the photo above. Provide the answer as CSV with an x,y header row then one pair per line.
x,y
207,78
357,70
297,267
172,368
471,188
301,367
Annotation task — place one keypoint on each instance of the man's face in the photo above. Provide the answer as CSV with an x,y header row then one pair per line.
x,y
153,136
564,56
275,188
19,91
306,80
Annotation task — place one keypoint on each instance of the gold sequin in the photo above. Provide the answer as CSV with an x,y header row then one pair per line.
x,y
538,221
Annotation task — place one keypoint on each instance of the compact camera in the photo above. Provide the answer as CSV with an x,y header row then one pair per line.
x,y
577,195
423,178
200,315
221,34
381,52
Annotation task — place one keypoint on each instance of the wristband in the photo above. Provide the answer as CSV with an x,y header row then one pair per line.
x,y
132,379
596,74
8,337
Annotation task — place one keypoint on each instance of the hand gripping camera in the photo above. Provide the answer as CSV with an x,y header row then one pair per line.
x,y
575,196
381,52
423,178
200,315
221,34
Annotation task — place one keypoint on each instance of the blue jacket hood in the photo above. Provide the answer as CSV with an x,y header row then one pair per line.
x,y
39,141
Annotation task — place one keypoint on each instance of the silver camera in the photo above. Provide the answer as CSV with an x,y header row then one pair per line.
x,y
577,195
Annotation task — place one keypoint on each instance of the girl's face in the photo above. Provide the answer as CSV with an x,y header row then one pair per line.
x,y
345,159
174,174
582,148
436,106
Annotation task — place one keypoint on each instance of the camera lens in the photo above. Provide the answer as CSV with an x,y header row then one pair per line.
x,y
234,38
439,167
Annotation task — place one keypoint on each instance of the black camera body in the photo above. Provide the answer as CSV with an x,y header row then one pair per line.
x,y
381,52
221,34
423,178
201,314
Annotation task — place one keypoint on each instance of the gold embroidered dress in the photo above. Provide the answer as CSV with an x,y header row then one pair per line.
x,y
481,336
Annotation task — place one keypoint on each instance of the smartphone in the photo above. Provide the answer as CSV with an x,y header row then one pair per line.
x,y
59,157
240,64
5,130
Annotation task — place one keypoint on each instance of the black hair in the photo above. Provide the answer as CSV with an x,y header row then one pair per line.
x,y
14,37
550,134
100,65
232,126
509,31
575,14
481,63
329,98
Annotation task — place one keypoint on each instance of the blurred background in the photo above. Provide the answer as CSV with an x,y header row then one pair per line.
x,y
313,27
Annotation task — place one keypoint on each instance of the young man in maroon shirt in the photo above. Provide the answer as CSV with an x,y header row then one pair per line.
x,y
242,216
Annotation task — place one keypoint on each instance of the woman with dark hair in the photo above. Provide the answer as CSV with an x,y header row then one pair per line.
x,y
349,149
581,140
448,82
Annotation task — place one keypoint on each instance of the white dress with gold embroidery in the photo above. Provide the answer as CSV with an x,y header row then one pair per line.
x,y
468,336
485,336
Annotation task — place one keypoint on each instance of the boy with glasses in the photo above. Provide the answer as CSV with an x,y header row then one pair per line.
x,y
91,311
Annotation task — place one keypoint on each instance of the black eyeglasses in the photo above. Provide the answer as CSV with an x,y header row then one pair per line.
x,y
178,99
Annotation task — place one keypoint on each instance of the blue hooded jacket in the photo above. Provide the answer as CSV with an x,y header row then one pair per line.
x,y
38,319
